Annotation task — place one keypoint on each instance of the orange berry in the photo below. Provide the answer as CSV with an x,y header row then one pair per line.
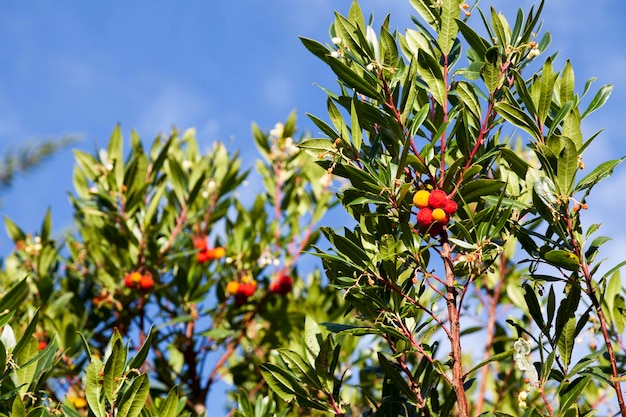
x,y
420,198
146,282
219,252
42,344
232,287
437,199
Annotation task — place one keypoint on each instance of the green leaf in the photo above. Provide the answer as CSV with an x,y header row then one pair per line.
x,y
93,387
495,358
426,10
566,92
356,127
448,31
567,309
598,100
15,233
116,155
602,171
142,354
392,373
477,189
25,339
134,398
312,335
389,49
114,367
533,306
18,409
567,167
570,393
475,41
302,369
345,73
547,87
281,384
563,259
430,72
519,118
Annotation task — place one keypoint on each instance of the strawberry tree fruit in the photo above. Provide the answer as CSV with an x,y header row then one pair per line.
x,y
420,198
282,284
450,207
146,283
437,199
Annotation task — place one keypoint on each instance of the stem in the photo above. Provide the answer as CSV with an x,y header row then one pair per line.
x,y
597,305
455,328
491,324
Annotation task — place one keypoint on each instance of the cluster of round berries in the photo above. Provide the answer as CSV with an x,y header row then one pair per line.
x,y
241,290
205,253
435,209
137,281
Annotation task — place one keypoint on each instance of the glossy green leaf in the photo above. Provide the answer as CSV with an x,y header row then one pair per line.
x,y
448,30
302,369
598,100
534,307
134,397
602,171
563,259
519,118
93,387
476,190
430,72
278,381
548,77
427,12
396,378
566,92
114,367
567,167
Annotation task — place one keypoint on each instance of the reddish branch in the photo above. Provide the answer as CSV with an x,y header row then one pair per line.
x,y
454,316
597,305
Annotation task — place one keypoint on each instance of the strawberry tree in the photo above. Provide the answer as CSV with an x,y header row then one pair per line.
x,y
468,264
174,276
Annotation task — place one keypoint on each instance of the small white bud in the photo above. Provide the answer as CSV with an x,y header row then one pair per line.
x,y
336,40
187,164
370,67
334,54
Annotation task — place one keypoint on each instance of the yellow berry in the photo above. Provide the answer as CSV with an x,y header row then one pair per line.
x,y
439,215
232,287
420,198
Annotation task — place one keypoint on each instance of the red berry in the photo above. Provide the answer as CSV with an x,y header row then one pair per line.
x,y
200,243
281,285
425,217
203,255
437,199
146,282
450,207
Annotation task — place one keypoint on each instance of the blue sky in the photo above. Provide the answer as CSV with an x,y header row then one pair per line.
x,y
79,67
76,67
